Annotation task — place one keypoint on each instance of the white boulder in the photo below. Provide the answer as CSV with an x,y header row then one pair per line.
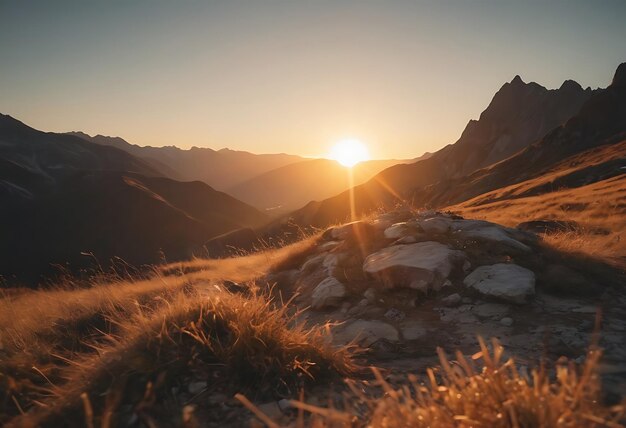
x,y
420,266
504,281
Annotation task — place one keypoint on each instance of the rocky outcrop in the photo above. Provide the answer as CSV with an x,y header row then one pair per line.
x,y
389,282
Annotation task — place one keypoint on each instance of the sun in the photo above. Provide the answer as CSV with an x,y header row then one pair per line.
x,y
349,152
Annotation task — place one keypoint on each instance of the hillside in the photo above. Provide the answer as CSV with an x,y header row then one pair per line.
x,y
63,197
136,218
519,115
221,169
290,187
578,203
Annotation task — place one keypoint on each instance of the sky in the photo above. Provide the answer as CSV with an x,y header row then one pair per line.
x,y
404,77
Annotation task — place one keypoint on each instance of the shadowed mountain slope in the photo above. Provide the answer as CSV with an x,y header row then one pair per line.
x,y
62,195
114,214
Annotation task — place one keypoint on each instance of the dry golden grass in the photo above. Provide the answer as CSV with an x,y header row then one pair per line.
x,y
43,333
223,338
458,394
598,208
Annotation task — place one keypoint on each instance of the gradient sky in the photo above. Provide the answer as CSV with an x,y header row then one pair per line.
x,y
291,76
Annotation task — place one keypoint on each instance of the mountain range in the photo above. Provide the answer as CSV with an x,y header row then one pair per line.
x,y
67,195
220,169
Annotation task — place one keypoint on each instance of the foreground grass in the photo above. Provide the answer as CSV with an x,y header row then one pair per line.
x,y
458,394
61,343
229,341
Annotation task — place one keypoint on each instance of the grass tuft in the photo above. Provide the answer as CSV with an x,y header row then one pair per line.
x,y
228,341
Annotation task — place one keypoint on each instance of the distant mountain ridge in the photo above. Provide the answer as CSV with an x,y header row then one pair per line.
x,y
33,161
289,187
221,169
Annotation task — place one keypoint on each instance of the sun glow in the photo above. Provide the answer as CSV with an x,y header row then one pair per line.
x,y
349,152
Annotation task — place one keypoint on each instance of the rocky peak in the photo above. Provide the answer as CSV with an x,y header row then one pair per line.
x,y
619,79
570,85
517,80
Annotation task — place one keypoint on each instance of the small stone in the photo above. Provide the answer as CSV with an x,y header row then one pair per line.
x,y
394,314
366,332
413,331
446,283
285,405
217,398
196,387
271,410
490,310
328,293
506,321
345,307
452,300
370,295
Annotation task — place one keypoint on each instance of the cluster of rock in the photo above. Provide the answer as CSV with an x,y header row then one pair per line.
x,y
375,271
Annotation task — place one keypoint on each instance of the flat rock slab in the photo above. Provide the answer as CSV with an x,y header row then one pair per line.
x,y
420,266
398,230
365,332
488,232
505,281
352,230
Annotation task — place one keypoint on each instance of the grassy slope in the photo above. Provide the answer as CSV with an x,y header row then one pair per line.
x,y
563,195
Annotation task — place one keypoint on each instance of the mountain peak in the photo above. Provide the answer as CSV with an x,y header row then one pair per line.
x,y
570,85
619,79
517,80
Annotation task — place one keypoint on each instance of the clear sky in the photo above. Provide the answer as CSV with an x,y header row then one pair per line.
x,y
291,76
